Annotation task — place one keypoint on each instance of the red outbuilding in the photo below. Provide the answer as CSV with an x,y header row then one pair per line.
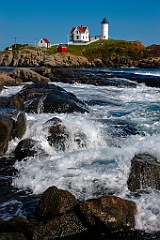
x,y
62,48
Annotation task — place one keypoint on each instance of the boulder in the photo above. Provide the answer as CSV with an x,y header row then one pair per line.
x,y
111,212
55,202
50,98
25,148
12,125
144,173
57,134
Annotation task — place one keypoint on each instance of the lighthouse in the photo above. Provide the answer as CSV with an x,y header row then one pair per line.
x,y
104,29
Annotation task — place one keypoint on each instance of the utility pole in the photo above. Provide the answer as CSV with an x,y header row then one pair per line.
x,y
15,42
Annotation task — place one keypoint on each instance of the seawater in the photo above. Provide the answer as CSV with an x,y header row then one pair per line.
x,y
102,165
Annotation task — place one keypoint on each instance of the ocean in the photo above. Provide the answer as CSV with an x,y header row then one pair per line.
x,y
102,165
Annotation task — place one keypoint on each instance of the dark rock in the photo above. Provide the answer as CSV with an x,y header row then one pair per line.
x,y
18,224
111,212
15,228
25,148
57,134
55,202
12,124
144,173
50,98
60,227
19,126
12,236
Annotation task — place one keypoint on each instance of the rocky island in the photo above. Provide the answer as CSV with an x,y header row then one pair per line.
x,y
110,53
59,214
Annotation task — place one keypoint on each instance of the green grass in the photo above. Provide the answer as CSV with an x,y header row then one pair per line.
x,y
99,49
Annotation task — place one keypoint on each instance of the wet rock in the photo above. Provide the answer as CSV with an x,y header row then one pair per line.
x,y
25,148
67,225
111,212
50,98
12,125
55,202
19,125
57,134
144,173
14,101
12,236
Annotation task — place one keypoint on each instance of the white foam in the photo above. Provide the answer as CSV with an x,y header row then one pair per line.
x,y
102,165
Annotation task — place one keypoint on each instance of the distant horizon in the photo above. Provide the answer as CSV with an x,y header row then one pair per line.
x,y
27,23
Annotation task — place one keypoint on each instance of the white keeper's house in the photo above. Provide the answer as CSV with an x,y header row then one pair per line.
x,y
79,34
44,42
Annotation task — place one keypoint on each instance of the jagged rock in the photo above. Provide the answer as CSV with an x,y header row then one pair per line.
x,y
25,148
111,212
57,134
144,173
55,202
12,125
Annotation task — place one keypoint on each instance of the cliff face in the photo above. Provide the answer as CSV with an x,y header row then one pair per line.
x,y
31,58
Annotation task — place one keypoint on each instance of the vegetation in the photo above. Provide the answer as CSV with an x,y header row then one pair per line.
x,y
103,49
108,48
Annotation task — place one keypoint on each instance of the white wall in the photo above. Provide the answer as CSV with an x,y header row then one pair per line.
x,y
104,31
42,43
78,36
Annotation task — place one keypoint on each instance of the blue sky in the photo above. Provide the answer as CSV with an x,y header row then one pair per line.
x,y
31,20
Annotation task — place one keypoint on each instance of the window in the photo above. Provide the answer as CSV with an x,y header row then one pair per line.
x,y
77,37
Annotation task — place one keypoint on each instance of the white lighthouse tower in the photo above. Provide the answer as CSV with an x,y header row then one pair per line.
x,y
104,29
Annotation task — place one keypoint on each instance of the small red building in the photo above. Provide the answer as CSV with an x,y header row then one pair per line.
x,y
62,48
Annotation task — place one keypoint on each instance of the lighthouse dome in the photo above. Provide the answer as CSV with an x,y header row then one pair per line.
x,y
104,21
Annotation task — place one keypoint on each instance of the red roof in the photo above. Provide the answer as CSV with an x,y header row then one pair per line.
x,y
81,28
73,30
45,40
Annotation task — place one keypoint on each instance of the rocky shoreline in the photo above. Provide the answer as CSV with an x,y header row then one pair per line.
x,y
59,215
